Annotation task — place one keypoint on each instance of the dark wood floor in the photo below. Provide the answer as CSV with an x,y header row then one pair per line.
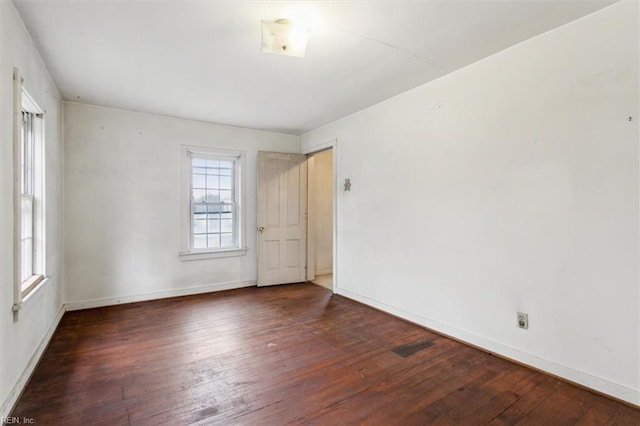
x,y
288,354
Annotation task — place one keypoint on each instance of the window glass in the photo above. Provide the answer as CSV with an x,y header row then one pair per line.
x,y
214,219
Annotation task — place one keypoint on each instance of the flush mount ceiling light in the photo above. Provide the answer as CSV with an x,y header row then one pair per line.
x,y
284,37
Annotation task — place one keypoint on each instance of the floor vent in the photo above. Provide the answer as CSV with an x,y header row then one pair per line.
x,y
410,349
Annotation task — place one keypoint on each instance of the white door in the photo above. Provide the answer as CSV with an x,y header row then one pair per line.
x,y
282,222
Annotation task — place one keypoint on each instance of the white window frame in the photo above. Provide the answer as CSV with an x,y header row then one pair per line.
x,y
187,251
35,196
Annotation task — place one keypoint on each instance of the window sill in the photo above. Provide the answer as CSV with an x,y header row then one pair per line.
x,y
30,284
31,289
199,255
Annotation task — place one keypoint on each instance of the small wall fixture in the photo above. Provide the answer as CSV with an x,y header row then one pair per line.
x,y
283,37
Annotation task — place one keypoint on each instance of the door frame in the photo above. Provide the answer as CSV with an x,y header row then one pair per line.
x,y
309,151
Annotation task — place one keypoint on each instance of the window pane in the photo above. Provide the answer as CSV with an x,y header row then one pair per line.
x,y
213,204
27,217
199,195
213,196
213,226
28,160
213,182
226,225
199,226
200,241
31,167
227,240
214,211
26,260
199,181
214,240
226,164
225,182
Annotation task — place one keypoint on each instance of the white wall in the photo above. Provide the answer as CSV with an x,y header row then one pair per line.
x,y
510,185
321,209
122,205
23,340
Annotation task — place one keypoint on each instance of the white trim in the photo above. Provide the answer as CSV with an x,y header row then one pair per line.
x,y
324,272
320,147
143,297
333,145
212,254
13,396
576,376
311,218
35,290
240,186
17,193
27,103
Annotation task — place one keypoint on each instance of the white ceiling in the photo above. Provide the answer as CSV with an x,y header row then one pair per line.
x,y
201,60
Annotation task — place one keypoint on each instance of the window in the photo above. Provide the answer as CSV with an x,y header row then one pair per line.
x,y
30,250
213,216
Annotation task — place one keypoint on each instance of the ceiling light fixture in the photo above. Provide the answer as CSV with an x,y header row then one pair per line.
x,y
284,37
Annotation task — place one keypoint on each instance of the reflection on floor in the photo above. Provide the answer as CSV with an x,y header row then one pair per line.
x,y
325,281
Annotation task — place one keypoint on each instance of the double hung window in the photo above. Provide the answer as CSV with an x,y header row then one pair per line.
x,y
213,188
30,186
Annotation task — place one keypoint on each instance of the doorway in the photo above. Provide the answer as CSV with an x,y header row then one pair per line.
x,y
296,237
320,219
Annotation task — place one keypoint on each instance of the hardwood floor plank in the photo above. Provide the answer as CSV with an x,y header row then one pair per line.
x,y
293,354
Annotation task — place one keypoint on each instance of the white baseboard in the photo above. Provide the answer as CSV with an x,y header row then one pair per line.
x,y
108,301
581,378
324,272
13,396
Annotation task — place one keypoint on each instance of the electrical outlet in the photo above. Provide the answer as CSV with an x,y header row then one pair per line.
x,y
523,320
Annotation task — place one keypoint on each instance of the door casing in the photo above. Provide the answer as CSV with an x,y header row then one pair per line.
x,y
333,145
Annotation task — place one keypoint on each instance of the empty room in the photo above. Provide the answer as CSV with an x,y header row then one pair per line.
x,y
320,212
